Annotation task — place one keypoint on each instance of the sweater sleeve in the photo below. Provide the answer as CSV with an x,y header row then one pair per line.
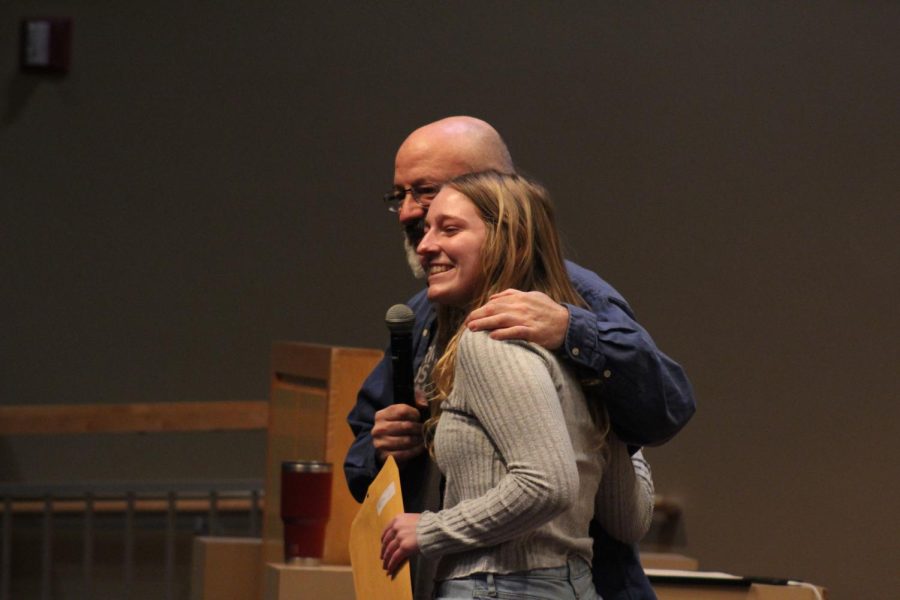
x,y
624,502
507,387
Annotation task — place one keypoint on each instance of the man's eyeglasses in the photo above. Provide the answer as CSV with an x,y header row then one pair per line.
x,y
421,195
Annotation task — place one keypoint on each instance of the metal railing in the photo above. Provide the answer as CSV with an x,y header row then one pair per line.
x,y
39,507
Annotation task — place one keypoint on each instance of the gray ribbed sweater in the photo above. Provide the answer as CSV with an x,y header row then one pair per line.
x,y
518,448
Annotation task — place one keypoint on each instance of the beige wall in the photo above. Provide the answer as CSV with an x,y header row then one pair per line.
x,y
207,180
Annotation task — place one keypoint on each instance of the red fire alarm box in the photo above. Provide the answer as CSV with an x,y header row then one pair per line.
x,y
46,45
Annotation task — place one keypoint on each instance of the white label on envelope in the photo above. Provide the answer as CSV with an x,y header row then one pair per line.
x,y
386,496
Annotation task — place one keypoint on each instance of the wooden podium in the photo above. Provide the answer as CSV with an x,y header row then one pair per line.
x,y
313,387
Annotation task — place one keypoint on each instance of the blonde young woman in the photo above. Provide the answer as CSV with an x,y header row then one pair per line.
x,y
528,460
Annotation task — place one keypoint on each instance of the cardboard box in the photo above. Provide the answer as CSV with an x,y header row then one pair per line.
x,y
225,568
287,582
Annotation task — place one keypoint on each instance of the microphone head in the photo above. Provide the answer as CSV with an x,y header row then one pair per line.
x,y
400,318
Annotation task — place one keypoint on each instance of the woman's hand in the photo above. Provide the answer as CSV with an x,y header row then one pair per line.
x,y
398,542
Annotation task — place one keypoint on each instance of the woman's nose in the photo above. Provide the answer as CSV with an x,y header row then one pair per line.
x,y
426,245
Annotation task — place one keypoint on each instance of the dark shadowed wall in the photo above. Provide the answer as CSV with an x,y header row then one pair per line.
x,y
207,179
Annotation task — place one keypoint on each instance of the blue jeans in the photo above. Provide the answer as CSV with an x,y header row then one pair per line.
x,y
570,582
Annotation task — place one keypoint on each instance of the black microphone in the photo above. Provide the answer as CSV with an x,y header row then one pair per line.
x,y
400,320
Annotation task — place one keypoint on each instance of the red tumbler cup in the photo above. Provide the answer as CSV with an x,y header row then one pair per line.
x,y
305,508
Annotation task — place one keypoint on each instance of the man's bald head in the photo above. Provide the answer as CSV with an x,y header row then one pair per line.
x,y
436,153
450,147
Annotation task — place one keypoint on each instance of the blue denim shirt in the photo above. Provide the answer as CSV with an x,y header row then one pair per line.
x,y
647,395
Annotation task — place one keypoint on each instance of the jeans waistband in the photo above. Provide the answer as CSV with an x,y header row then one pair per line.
x,y
575,566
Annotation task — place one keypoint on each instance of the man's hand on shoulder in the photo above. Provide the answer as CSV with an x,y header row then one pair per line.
x,y
517,315
397,432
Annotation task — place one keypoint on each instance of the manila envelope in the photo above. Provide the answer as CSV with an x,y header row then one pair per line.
x,y
383,502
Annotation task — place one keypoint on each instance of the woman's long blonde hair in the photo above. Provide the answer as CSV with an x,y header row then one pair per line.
x,y
521,250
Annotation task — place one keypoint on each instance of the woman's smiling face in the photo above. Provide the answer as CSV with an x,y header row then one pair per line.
x,y
451,249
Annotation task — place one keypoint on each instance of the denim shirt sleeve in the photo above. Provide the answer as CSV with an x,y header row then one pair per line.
x,y
647,394
360,464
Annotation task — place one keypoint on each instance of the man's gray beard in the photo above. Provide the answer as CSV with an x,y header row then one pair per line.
x,y
413,259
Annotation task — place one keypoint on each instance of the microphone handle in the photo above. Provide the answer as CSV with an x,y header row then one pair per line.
x,y
402,368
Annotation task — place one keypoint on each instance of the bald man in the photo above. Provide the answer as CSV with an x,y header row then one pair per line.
x,y
647,395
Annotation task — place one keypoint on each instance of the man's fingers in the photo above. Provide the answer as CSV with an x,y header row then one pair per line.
x,y
396,428
385,426
501,310
529,316
512,333
397,412
400,437
491,308
492,322
397,443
